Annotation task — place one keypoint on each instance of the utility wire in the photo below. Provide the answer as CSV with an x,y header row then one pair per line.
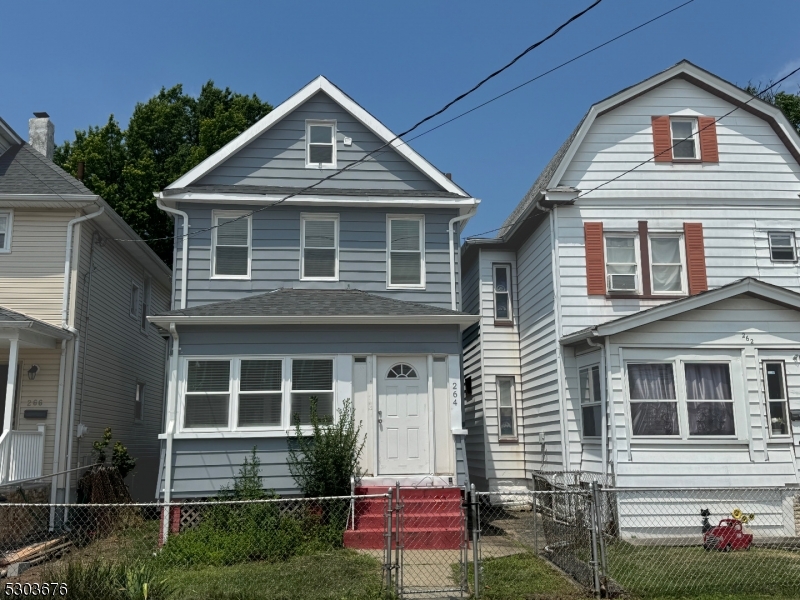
x,y
396,137
652,158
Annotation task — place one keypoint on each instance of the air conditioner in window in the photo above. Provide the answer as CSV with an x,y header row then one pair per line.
x,y
621,283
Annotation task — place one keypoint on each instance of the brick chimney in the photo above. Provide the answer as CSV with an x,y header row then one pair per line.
x,y
41,134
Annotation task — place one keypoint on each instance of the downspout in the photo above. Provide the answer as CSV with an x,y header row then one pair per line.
x,y
603,408
57,443
172,394
77,344
450,231
185,257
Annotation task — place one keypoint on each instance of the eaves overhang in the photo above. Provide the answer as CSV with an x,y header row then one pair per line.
x,y
462,320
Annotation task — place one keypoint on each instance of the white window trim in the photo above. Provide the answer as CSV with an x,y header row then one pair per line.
x,y
789,433
135,286
497,379
328,123
694,138
740,430
637,257
682,249
6,247
286,428
216,214
507,267
594,402
318,217
793,246
141,398
395,286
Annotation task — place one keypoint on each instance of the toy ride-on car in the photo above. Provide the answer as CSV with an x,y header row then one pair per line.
x,y
727,536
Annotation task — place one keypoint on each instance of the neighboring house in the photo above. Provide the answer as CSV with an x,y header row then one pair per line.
x,y
345,290
646,332
76,352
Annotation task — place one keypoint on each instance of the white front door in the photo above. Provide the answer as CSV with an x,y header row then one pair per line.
x,y
403,437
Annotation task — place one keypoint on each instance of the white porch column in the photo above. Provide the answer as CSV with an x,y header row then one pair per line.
x,y
13,354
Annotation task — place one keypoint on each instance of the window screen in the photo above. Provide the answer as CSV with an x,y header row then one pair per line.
x,y
312,379
232,246
207,394
405,252
319,248
260,393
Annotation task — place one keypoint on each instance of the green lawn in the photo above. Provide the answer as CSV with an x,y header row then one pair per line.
x,y
661,573
337,575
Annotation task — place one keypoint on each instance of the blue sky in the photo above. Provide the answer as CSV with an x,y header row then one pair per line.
x,y
81,61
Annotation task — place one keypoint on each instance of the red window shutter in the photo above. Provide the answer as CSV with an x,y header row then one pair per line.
x,y
695,257
595,259
709,151
662,139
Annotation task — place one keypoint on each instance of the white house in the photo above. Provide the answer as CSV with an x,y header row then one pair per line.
x,y
639,312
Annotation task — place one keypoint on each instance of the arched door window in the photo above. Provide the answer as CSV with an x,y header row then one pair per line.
x,y
402,371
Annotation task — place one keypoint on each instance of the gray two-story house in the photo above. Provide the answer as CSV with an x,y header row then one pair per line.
x,y
296,281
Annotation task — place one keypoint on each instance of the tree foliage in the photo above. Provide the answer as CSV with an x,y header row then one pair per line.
x,y
787,102
166,136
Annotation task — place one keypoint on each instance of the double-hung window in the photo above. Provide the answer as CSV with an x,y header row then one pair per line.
x,y
5,231
782,246
406,252
621,263
321,144
231,245
777,400
507,407
667,274
260,393
699,400
502,293
320,247
312,384
208,394
591,398
684,138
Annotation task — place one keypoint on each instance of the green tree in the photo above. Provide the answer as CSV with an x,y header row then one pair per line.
x,y
788,103
166,136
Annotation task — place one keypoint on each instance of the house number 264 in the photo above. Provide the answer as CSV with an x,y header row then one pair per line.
x,y
455,393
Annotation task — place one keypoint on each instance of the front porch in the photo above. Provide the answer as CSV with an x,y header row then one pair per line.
x,y
31,394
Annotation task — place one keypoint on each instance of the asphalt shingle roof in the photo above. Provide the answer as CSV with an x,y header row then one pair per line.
x,y
270,189
7,315
299,303
24,171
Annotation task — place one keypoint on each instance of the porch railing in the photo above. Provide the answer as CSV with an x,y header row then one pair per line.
x,y
21,455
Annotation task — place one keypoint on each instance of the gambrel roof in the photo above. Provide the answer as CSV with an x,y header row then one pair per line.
x,y
317,86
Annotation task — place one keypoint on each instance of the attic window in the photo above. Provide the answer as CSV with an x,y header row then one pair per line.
x,y
684,139
321,144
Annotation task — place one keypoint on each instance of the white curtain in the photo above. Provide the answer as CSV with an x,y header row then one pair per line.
x,y
708,382
653,382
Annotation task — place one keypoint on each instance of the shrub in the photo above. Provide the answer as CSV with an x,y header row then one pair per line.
x,y
322,464
102,580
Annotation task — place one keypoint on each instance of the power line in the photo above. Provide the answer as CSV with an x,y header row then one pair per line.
x,y
652,158
395,138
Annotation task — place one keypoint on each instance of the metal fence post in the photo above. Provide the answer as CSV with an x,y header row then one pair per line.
x,y
535,525
398,554
600,528
475,528
388,537
465,542
594,561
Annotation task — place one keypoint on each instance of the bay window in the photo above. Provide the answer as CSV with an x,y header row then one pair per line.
x,y
684,399
255,393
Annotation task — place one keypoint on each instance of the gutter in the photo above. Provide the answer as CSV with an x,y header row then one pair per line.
x,y
450,231
185,259
457,319
77,344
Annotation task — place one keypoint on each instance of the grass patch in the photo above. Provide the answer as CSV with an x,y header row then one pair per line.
x,y
521,577
337,575
690,572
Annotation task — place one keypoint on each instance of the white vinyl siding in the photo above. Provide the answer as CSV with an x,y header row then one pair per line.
x,y
231,245
321,144
406,252
6,218
319,247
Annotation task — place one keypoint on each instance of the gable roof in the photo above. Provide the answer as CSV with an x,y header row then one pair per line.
x,y
23,170
749,286
307,306
343,100
553,172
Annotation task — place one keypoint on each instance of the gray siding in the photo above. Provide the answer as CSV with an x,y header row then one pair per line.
x,y
276,255
278,156
117,354
320,339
